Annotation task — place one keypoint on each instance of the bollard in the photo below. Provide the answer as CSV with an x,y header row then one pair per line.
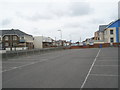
x,y
26,53
17,53
100,46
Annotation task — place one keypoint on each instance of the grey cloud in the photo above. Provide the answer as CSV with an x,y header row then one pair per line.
x,y
37,17
6,21
97,21
73,25
36,31
34,17
57,10
80,8
72,9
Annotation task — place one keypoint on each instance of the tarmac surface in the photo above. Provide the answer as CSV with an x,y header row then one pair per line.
x,y
73,68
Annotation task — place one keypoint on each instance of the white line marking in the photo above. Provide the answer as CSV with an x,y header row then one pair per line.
x,y
23,59
90,69
15,62
104,75
105,65
107,61
17,67
24,65
14,67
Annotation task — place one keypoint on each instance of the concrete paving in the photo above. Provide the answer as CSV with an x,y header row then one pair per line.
x,y
75,68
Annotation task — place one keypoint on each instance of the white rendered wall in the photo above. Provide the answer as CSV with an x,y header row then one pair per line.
x,y
38,42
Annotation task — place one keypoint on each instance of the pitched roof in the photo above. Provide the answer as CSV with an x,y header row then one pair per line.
x,y
113,22
102,27
13,31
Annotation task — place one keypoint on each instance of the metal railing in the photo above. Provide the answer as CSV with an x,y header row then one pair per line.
x,y
13,54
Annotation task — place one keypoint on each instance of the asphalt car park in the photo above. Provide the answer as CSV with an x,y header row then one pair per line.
x,y
72,68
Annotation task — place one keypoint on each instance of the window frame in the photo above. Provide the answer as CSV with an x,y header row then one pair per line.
x,y
111,39
14,44
14,38
7,44
6,38
111,32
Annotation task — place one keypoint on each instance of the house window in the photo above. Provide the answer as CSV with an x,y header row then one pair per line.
x,y
111,40
6,44
6,38
14,37
111,31
22,37
14,44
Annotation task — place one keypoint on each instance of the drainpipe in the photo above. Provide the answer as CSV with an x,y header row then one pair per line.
x,y
10,42
117,34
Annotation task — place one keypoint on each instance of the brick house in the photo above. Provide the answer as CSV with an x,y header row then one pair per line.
x,y
15,39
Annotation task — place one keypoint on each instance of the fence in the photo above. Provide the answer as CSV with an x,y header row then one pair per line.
x,y
12,54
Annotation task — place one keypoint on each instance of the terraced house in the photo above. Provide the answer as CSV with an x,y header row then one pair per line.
x,y
15,39
112,32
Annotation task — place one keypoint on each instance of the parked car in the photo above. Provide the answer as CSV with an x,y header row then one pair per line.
x,y
74,44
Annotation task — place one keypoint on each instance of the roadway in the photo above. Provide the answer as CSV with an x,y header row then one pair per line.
x,y
73,68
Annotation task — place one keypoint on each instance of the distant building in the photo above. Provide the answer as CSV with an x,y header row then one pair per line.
x,y
99,35
106,34
101,32
42,42
15,39
96,35
38,42
62,43
89,41
112,32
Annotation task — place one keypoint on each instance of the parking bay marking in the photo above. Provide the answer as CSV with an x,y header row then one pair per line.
x,y
24,65
103,75
90,68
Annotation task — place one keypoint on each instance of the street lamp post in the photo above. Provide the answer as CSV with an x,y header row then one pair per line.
x,y
60,35
55,41
70,36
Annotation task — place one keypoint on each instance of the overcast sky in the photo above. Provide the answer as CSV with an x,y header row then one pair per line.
x,y
76,18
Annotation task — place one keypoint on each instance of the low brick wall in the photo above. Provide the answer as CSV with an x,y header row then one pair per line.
x,y
106,45
102,45
74,47
116,44
96,46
